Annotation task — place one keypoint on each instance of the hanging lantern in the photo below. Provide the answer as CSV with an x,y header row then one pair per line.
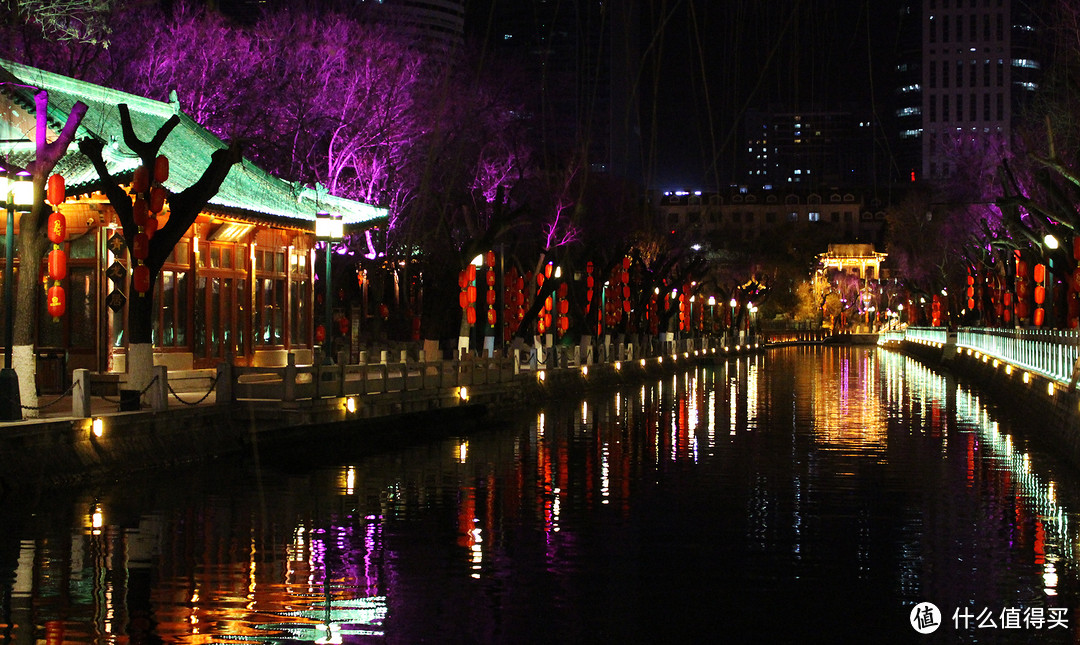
x,y
490,297
55,301
1039,316
626,263
548,270
140,246
140,212
471,292
470,315
384,311
343,325
564,307
470,272
1040,273
491,317
490,278
57,264
161,169
489,259
320,333
150,227
626,306
157,199
463,299
463,279
564,324
1021,268
140,180
57,228
55,190
1040,294
141,279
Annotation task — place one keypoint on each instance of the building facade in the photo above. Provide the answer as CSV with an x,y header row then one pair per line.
x,y
240,285
966,68
749,215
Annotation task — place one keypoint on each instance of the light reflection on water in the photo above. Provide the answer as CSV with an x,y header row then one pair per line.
x,y
778,498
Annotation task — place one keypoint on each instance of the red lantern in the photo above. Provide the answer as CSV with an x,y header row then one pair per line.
x,y
470,315
470,272
57,228
490,297
150,227
140,181
157,199
626,263
970,303
489,259
564,307
463,279
626,306
57,264
490,278
1039,316
140,246
564,324
55,190
1040,294
1040,272
140,211
1021,269
161,169
491,317
384,311
55,301
471,293
320,334
548,304
463,299
141,278
343,325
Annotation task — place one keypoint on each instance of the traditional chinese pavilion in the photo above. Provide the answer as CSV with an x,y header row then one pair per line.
x,y
239,284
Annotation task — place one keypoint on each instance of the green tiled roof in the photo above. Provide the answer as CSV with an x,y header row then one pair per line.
x,y
247,191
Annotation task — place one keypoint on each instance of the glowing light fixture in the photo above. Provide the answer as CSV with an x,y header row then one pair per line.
x,y
1050,241
540,376
350,404
97,426
463,392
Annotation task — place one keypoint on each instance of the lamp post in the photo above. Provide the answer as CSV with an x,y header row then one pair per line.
x,y
18,193
328,228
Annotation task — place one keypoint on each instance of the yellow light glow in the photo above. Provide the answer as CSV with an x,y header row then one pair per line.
x,y
464,391
463,451
618,366
1050,388
584,370
97,517
98,427
540,376
1008,369
1027,377
643,362
350,404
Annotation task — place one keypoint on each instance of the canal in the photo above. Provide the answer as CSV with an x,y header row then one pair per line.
x,y
805,495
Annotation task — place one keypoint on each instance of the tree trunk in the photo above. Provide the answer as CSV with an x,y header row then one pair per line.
x,y
32,245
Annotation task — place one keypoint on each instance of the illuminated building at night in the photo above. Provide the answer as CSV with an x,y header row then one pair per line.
x,y
240,282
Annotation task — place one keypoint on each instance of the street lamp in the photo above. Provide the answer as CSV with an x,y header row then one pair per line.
x,y
328,228
17,189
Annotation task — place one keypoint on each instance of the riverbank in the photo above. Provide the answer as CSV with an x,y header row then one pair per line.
x,y
1050,404
410,404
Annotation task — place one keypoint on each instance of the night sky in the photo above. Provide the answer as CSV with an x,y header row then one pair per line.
x,y
720,58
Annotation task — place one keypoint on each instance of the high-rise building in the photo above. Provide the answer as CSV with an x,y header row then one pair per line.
x,y
436,26
581,58
808,149
966,68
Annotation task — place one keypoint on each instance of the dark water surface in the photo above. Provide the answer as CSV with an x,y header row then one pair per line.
x,y
808,495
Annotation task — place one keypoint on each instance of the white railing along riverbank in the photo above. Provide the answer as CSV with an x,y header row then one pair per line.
x,y
1048,352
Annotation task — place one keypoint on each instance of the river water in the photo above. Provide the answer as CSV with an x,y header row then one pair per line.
x,y
805,495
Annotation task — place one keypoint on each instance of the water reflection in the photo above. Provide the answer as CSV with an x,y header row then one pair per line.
x,y
838,486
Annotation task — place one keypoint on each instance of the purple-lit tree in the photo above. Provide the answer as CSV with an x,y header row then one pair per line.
x,y
183,207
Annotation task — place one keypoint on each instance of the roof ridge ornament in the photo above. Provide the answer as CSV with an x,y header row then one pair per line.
x,y
174,101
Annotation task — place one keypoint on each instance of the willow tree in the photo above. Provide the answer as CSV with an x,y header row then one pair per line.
x,y
183,207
